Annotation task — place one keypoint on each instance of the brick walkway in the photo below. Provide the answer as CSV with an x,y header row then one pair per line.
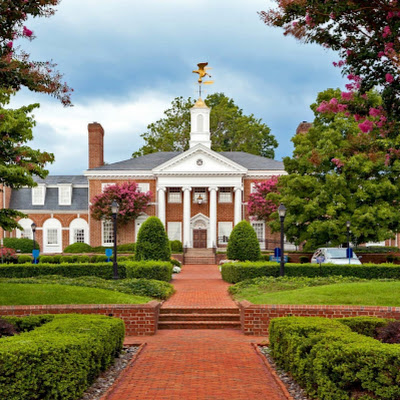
x,y
197,364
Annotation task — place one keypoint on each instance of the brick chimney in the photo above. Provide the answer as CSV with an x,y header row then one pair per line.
x,y
303,127
96,145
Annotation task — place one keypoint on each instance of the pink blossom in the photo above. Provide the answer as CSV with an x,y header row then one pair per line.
x,y
374,112
337,162
381,54
294,23
27,32
367,126
386,32
347,95
389,78
9,45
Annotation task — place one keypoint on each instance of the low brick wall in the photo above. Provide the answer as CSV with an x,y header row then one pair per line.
x,y
139,319
255,318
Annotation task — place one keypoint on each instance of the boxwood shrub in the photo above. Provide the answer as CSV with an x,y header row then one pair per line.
x,y
237,272
332,362
176,246
243,243
159,270
78,248
24,258
81,346
24,245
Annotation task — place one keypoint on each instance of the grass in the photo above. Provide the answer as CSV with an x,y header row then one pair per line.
x,y
371,293
34,294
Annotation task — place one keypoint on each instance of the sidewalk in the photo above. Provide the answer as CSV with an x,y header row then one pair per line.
x,y
198,364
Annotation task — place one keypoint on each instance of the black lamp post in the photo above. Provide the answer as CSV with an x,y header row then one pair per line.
x,y
282,213
33,227
114,212
348,239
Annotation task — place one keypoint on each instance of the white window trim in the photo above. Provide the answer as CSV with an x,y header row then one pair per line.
x,y
221,231
78,223
171,200
61,200
41,193
26,225
222,194
103,243
143,187
170,226
260,240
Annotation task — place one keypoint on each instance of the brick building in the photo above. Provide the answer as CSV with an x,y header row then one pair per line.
x,y
198,194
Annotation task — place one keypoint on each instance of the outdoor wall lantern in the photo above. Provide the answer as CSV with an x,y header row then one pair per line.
x,y
200,200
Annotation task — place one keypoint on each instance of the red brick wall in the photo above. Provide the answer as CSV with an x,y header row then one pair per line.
x,y
255,318
139,319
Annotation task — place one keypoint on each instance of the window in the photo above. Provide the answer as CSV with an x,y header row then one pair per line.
x,y
224,231
108,232
52,236
174,231
174,195
38,195
259,227
199,194
253,187
143,187
64,195
79,236
26,231
225,195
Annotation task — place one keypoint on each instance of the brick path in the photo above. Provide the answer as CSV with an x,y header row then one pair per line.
x,y
197,364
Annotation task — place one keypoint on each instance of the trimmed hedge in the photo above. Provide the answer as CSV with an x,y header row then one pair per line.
x,y
159,270
237,272
243,243
365,325
23,259
81,346
24,245
333,363
176,246
78,248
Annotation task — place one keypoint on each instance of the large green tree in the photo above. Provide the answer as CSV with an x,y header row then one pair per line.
x,y
337,174
231,129
18,162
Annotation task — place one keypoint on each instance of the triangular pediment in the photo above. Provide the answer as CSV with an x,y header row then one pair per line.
x,y
199,160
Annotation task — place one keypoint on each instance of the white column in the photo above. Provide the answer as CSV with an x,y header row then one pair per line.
x,y
186,216
238,205
213,217
161,204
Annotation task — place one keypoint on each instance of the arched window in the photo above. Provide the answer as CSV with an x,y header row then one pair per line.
x,y
52,238
26,229
138,222
78,231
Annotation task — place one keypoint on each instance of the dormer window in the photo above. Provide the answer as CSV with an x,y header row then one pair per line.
x,y
38,195
64,195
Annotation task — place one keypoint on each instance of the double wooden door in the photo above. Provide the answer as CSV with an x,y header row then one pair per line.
x,y
199,238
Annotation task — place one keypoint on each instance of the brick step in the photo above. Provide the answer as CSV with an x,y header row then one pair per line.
x,y
199,317
198,325
206,311
199,260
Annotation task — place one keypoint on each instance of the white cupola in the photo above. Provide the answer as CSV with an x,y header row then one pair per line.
x,y
200,124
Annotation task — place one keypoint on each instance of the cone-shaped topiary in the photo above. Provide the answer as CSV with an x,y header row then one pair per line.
x,y
152,241
243,243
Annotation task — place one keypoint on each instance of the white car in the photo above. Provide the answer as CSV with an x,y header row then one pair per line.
x,y
333,255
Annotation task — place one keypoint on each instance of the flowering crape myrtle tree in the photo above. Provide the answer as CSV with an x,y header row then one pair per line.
x,y
16,67
260,205
131,202
362,129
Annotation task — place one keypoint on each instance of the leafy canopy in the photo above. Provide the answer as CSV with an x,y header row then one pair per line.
x,y
18,162
16,67
230,129
131,202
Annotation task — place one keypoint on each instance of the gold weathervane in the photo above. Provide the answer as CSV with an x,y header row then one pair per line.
x,y
202,71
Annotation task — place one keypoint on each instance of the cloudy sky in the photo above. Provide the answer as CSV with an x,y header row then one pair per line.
x,y
128,59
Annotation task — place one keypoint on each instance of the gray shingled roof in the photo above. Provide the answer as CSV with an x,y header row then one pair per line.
x,y
56,179
150,161
22,200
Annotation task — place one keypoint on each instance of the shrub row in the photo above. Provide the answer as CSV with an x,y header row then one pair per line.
x,y
85,248
79,346
237,272
332,362
158,270
24,245
58,259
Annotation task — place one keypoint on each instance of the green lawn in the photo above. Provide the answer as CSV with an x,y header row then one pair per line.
x,y
372,293
34,294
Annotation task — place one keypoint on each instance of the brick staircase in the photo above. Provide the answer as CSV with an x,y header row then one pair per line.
x,y
199,256
204,318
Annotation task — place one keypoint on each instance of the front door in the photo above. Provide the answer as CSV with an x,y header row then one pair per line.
x,y
199,238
